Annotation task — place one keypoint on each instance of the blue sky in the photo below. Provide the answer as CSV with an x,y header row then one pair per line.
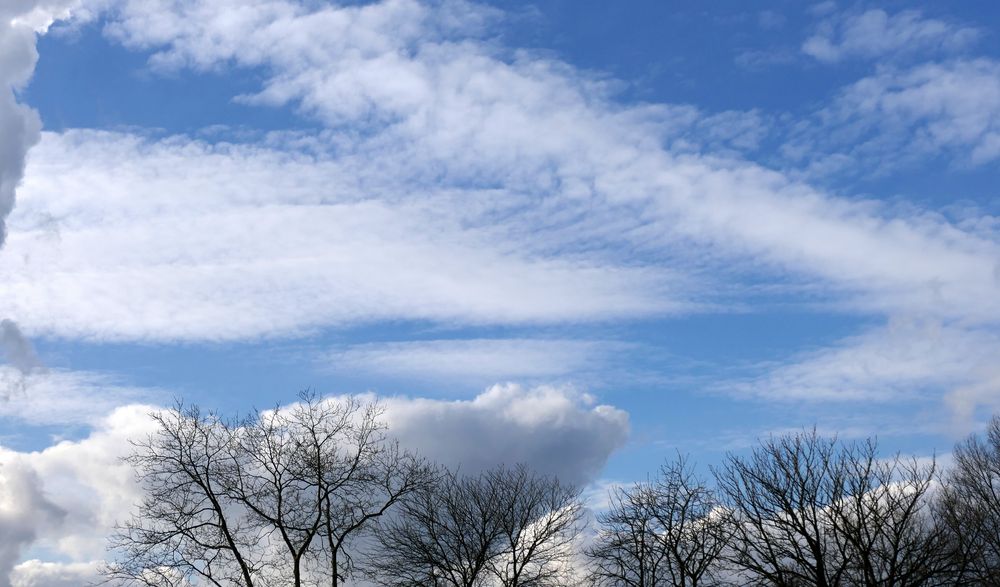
x,y
580,234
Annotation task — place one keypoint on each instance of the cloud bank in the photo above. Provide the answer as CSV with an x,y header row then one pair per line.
x,y
457,183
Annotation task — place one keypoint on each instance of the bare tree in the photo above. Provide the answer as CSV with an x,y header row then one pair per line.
x,y
261,501
665,532
969,505
357,474
540,519
883,520
778,497
186,528
504,525
808,510
626,553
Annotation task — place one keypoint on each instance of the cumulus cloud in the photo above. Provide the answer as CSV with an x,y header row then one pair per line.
x,y
65,499
20,20
19,126
24,509
877,34
556,430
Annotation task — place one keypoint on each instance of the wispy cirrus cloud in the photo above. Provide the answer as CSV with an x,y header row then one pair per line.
x,y
899,117
458,182
486,187
907,359
471,359
233,242
875,34
65,397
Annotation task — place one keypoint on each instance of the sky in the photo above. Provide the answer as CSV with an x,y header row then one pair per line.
x,y
578,234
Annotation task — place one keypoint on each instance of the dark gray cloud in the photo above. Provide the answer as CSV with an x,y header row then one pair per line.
x,y
554,430
17,349
24,513
20,129
19,125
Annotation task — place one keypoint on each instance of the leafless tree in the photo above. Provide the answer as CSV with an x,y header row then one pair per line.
x,y
540,519
883,520
506,526
356,472
186,528
668,531
807,510
778,498
266,500
626,553
969,505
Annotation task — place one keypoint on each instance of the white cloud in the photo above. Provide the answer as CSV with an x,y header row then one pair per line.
x,y
475,359
900,117
908,359
19,125
57,396
877,34
489,189
457,182
123,239
69,495
967,401
36,573
469,113
728,133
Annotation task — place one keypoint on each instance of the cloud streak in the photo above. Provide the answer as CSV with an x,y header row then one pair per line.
x,y
456,183
900,117
906,360
475,359
877,34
